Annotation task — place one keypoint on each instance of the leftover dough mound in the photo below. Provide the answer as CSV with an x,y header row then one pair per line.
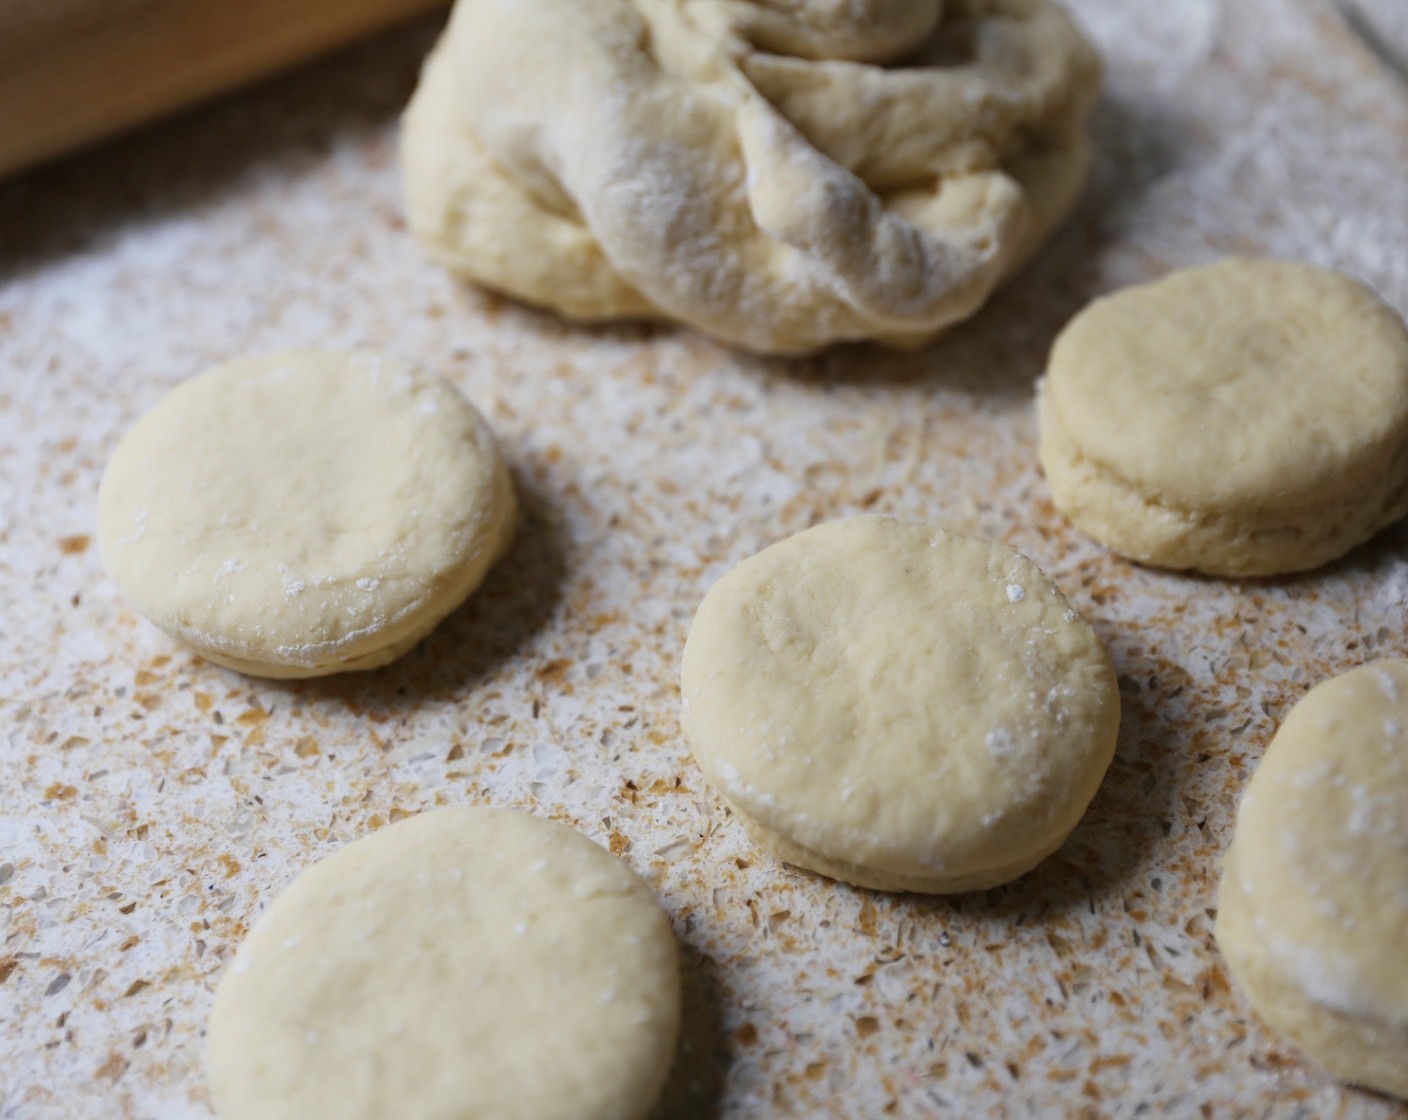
x,y
466,963
781,174
898,706
1314,898
304,513
1241,419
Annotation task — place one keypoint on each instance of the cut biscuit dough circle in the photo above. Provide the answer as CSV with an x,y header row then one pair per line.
x,y
304,513
1241,419
1313,906
899,706
465,963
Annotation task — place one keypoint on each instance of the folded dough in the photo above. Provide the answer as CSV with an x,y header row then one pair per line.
x,y
752,169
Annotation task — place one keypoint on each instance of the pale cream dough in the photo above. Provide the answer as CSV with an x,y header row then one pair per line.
x,y
1242,419
307,512
756,170
1313,907
464,964
899,706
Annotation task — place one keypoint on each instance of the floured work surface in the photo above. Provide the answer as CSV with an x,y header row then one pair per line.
x,y
153,803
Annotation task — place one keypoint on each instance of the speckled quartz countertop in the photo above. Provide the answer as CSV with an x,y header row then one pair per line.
x,y
151,804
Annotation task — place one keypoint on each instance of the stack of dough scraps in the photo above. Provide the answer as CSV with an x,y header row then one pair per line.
x,y
780,175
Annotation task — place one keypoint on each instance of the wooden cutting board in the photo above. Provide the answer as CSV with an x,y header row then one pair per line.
x,y
72,71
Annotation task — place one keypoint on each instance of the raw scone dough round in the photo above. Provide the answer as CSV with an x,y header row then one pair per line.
x,y
1242,419
756,170
1312,914
466,963
899,706
304,513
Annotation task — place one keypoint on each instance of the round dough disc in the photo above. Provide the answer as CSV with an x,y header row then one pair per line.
x,y
1242,419
304,513
899,706
1313,906
460,964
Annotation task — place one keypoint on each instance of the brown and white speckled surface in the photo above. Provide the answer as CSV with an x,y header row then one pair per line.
x,y
150,804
